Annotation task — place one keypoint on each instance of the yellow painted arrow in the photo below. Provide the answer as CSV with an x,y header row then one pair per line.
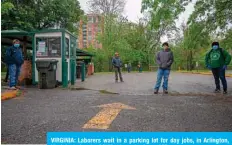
x,y
106,116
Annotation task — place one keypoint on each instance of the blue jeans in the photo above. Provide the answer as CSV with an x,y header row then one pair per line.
x,y
14,71
162,73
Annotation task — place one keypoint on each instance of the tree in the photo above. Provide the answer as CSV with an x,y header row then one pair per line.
x,y
195,37
111,10
40,14
226,42
215,14
107,7
162,16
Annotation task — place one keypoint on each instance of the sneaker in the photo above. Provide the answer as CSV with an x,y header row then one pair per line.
x,y
13,88
156,92
224,92
165,91
116,81
217,91
122,81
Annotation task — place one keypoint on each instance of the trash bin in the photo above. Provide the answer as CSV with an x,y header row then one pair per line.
x,y
47,73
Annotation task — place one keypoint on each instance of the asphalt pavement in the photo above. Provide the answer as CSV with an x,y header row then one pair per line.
x,y
190,106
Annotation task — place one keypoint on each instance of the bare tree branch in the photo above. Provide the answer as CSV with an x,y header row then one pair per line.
x,y
107,6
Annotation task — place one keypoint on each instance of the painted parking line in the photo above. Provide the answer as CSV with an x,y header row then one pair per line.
x,y
106,116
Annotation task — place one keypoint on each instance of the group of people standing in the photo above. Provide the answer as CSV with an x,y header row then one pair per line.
x,y
216,60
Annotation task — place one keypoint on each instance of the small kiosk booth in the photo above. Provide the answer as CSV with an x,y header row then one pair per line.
x,y
55,44
60,45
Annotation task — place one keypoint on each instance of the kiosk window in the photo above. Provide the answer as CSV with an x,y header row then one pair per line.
x,y
48,47
72,48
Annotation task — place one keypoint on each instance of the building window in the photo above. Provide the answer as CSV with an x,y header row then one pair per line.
x,y
94,20
84,26
89,37
90,19
85,45
48,47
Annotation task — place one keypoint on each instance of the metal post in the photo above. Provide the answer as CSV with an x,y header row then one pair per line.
x,y
83,72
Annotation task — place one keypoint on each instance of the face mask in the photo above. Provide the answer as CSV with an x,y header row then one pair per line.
x,y
215,47
16,45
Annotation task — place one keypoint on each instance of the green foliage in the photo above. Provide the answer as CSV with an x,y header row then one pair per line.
x,y
215,14
212,19
6,7
226,43
36,15
163,12
139,42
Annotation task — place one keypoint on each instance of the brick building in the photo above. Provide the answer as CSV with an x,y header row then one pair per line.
x,y
89,30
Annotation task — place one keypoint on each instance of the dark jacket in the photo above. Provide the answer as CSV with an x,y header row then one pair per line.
x,y
14,56
116,61
165,59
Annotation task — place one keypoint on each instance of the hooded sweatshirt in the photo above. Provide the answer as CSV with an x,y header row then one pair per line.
x,y
165,58
217,58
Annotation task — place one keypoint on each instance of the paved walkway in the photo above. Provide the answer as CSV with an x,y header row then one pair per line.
x,y
27,119
143,83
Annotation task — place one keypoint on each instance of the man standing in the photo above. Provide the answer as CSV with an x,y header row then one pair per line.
x,y
217,60
14,60
117,63
164,59
129,67
139,67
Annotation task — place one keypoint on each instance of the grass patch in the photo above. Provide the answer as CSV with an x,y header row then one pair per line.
x,y
19,93
122,72
79,89
194,71
107,92
103,72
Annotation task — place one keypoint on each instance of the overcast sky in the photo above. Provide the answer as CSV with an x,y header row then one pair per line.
x,y
133,8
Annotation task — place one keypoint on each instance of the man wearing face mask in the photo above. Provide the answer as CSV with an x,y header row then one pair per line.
x,y
217,60
14,60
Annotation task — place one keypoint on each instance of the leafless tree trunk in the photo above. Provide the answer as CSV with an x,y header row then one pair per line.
x,y
107,6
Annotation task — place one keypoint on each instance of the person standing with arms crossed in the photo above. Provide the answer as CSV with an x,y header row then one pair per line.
x,y
217,60
164,59
14,60
117,63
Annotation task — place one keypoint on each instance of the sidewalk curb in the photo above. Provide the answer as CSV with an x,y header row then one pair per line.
x,y
10,94
203,73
